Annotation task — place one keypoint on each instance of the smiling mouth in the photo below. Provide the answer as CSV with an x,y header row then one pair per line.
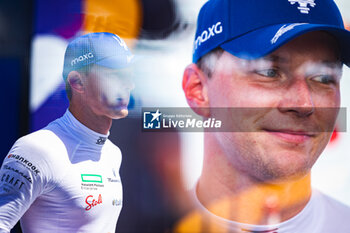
x,y
291,136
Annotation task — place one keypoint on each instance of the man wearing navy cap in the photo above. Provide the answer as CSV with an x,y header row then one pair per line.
x,y
65,177
280,60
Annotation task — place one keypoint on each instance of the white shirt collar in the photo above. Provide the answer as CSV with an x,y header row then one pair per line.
x,y
82,132
304,222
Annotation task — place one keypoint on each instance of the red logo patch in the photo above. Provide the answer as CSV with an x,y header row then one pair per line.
x,y
91,202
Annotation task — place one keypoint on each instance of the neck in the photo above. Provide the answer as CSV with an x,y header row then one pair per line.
x,y
240,198
97,123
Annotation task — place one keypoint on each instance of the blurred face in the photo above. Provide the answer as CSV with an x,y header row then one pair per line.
x,y
290,99
108,91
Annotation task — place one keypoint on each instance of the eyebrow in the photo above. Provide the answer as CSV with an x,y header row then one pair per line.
x,y
333,64
119,72
275,58
278,59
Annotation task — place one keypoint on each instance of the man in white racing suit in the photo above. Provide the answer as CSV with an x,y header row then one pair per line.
x,y
65,177
270,70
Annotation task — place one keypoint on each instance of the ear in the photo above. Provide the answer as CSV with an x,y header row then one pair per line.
x,y
194,84
76,81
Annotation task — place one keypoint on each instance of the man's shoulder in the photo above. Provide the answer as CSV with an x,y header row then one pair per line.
x,y
32,153
334,207
40,140
336,215
39,146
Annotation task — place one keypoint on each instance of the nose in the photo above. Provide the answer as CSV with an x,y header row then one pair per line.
x,y
297,99
129,84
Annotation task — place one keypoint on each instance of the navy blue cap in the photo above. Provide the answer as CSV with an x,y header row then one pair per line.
x,y
252,29
100,48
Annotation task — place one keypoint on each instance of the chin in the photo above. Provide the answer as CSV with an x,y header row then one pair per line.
x,y
120,114
281,172
280,162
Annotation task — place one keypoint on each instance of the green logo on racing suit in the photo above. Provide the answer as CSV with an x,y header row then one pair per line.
x,y
91,178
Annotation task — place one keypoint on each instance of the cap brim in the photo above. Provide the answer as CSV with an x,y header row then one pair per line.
x,y
263,41
118,62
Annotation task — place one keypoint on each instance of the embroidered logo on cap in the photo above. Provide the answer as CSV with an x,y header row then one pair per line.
x,y
81,58
121,42
303,5
283,30
212,31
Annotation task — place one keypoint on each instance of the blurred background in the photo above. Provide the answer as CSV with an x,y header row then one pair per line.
x,y
157,168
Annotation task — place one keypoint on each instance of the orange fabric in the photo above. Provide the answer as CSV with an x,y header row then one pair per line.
x,y
195,222
243,204
116,16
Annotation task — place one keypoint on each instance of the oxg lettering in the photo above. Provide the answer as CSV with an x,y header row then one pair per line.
x,y
81,58
212,31
91,202
25,162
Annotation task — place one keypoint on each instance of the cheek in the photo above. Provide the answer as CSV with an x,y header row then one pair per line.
x,y
327,109
92,92
222,93
238,92
326,98
322,142
113,89
243,151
